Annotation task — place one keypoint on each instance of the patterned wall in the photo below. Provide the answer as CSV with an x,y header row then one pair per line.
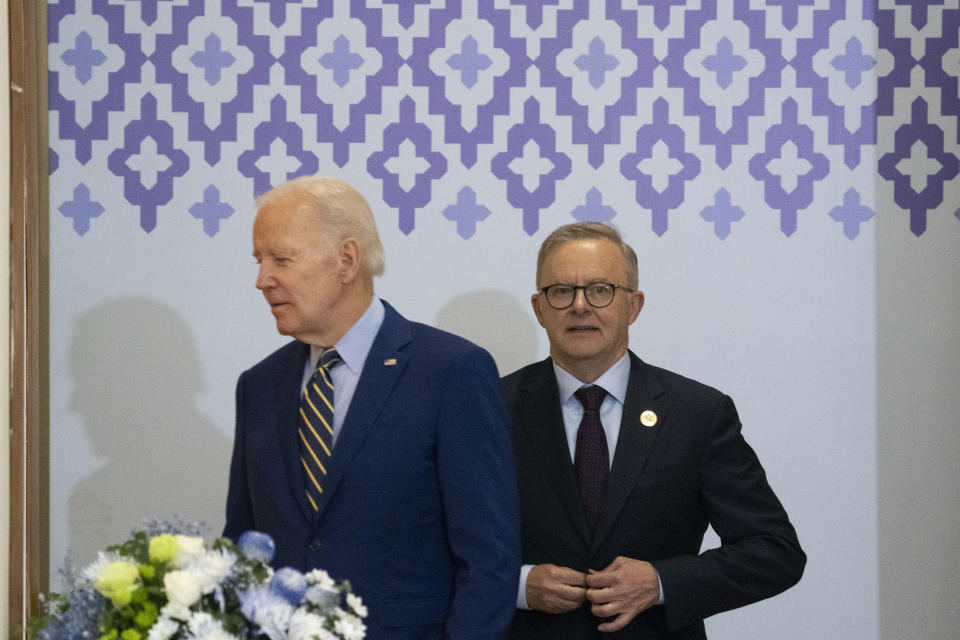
x,y
715,109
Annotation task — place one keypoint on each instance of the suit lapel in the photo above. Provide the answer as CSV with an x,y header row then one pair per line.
x,y
382,370
644,393
287,417
541,423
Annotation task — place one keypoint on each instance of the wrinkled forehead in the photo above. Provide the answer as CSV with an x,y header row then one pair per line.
x,y
584,260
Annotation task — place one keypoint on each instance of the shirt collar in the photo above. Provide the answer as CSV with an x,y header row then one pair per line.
x,y
355,344
614,380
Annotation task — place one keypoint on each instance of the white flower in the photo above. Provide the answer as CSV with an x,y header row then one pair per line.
x,y
188,548
307,626
175,611
211,568
349,626
204,626
163,629
269,611
357,605
321,578
104,559
183,588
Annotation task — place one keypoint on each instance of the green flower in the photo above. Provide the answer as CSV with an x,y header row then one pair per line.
x,y
118,581
112,635
130,634
147,617
163,548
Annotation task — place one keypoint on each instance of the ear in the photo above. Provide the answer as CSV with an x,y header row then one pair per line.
x,y
535,302
348,260
636,304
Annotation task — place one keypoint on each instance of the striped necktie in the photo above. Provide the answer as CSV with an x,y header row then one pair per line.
x,y
316,424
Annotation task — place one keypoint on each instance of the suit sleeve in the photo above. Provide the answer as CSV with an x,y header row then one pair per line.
x,y
759,555
239,510
478,486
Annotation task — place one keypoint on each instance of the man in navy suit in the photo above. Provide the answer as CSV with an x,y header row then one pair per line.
x,y
409,490
621,466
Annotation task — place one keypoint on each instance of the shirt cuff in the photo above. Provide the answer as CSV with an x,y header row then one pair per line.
x,y
522,591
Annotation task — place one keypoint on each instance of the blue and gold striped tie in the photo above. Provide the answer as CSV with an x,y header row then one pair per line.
x,y
316,424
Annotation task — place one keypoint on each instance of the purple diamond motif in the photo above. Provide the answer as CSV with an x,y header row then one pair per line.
x,y
694,104
469,61
83,57
852,214
211,210
160,189
341,61
97,128
918,201
593,210
53,161
724,62
789,201
722,214
277,128
212,59
626,103
407,200
466,212
312,93
544,194
853,64
935,65
81,209
455,130
660,131
903,60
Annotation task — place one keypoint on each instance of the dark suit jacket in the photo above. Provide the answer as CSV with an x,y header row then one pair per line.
x,y
419,508
666,484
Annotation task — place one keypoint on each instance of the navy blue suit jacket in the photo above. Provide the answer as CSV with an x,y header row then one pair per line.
x,y
668,481
419,507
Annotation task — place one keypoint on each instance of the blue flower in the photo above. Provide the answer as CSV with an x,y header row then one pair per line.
x,y
257,545
289,584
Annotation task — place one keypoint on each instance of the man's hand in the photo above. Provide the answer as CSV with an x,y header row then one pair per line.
x,y
624,589
555,589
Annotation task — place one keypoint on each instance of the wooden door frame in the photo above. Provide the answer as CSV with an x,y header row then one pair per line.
x,y
29,490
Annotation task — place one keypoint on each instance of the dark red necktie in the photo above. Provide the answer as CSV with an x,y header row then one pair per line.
x,y
591,461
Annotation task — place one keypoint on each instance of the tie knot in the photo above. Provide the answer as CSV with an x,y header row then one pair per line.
x,y
591,397
328,359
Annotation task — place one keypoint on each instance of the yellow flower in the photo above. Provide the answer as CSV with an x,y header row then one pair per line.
x,y
118,581
163,548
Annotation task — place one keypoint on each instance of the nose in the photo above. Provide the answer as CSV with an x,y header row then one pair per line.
x,y
580,303
263,276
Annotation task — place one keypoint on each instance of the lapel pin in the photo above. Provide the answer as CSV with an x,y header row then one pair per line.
x,y
389,362
648,418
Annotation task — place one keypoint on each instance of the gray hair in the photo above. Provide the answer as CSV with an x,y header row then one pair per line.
x,y
590,231
342,210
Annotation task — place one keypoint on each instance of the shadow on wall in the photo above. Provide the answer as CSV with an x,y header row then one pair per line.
x,y
136,378
498,323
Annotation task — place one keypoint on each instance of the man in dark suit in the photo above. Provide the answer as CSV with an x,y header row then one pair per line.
x,y
621,466
385,460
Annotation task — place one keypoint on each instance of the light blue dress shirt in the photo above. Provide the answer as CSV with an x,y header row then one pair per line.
x,y
353,348
614,380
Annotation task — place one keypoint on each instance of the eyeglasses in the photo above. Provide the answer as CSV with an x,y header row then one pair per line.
x,y
597,294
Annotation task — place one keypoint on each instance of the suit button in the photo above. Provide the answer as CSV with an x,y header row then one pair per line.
x,y
315,545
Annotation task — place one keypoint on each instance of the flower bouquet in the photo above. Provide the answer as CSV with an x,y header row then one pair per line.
x,y
173,587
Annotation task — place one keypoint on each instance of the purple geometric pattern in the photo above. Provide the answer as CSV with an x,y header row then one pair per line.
x,y
919,135
852,214
722,214
407,199
535,105
660,200
148,181
534,131
789,199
